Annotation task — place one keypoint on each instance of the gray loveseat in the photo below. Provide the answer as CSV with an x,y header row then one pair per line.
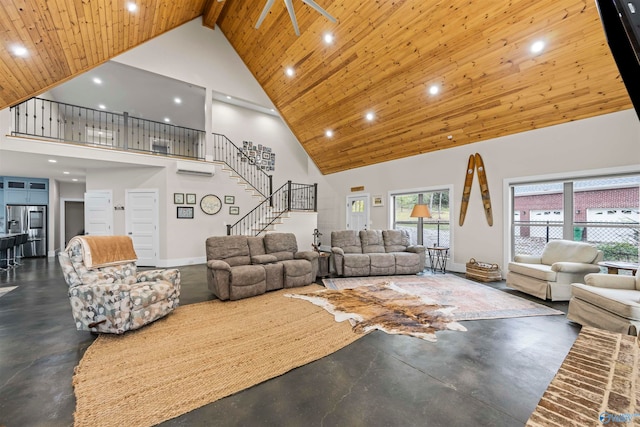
x,y
375,253
242,266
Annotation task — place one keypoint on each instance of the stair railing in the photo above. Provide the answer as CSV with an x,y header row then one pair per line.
x,y
290,197
244,166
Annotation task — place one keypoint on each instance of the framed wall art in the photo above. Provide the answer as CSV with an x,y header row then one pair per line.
x,y
229,200
178,198
234,210
185,212
191,199
257,154
377,201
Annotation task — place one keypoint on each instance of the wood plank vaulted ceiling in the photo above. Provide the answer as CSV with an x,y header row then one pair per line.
x,y
385,57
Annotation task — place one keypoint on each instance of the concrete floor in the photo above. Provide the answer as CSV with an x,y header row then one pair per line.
x,y
492,375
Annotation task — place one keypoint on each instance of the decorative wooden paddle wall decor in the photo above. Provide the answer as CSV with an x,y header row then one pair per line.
x,y
476,164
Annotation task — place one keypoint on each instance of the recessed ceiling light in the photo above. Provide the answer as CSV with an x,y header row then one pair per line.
x,y
102,106
273,111
74,179
167,119
19,51
53,161
97,80
289,71
370,116
537,46
329,133
228,97
328,38
177,100
132,7
434,89
66,172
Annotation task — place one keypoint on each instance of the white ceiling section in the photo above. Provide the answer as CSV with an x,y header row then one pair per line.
x,y
140,93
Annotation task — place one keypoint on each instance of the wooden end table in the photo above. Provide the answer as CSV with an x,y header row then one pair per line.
x,y
613,267
323,264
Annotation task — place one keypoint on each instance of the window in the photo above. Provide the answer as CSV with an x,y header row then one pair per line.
x,y
603,211
436,230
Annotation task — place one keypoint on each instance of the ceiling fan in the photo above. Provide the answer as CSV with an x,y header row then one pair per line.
x,y
292,13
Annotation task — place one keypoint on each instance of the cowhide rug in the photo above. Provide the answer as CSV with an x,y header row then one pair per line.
x,y
386,307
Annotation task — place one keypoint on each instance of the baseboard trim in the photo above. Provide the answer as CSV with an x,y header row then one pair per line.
x,y
177,262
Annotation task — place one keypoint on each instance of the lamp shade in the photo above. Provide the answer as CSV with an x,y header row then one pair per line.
x,y
420,211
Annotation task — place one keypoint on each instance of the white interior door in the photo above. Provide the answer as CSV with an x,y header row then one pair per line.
x,y
98,213
142,218
358,212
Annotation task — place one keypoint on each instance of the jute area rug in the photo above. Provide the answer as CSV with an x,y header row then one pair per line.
x,y
597,384
472,301
199,354
6,290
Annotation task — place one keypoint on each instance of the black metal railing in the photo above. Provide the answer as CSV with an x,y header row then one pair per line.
x,y
618,241
44,118
289,197
224,150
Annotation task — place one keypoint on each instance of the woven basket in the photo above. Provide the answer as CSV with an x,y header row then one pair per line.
x,y
483,271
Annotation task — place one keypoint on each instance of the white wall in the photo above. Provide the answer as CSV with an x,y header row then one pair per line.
x,y
241,124
198,55
603,142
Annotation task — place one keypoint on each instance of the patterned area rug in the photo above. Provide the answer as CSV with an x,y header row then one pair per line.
x,y
472,301
597,384
386,307
6,290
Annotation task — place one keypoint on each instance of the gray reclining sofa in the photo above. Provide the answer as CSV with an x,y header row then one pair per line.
x,y
242,266
375,253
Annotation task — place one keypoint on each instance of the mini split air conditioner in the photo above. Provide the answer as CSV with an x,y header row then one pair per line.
x,y
195,168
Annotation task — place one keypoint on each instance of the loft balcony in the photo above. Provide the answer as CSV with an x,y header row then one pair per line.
x,y
61,122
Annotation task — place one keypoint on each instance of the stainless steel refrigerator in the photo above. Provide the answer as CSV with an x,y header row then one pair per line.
x,y
33,221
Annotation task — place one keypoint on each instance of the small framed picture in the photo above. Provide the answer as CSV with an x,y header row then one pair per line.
x,y
377,201
185,212
229,200
234,210
178,198
191,198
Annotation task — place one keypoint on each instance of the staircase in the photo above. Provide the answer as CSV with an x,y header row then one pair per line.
x,y
275,205
264,217
241,166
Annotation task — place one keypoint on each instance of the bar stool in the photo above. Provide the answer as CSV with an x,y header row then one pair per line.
x,y
6,243
19,245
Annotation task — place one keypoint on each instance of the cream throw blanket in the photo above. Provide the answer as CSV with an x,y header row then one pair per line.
x,y
102,251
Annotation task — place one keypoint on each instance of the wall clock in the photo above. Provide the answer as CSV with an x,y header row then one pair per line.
x,y
210,204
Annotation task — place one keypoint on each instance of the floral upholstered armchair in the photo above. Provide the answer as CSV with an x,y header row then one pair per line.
x,y
106,292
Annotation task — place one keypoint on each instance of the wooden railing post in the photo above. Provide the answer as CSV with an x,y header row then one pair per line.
x,y
228,230
288,196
